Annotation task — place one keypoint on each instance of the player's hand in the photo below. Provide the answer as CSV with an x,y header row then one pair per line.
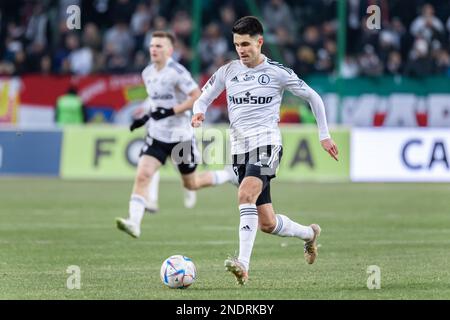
x,y
329,146
137,123
197,120
162,113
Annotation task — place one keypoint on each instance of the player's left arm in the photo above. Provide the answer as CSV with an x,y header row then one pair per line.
x,y
301,89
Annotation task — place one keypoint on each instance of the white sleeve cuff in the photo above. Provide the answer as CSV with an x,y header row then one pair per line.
x,y
199,107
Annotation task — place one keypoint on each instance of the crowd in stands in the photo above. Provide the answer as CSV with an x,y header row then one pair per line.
x,y
414,39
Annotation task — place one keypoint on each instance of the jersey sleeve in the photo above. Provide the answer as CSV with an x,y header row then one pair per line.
x,y
299,88
210,91
146,105
186,83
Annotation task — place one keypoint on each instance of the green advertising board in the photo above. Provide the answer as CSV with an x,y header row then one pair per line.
x,y
305,160
105,152
102,152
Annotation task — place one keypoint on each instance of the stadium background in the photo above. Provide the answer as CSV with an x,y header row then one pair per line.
x,y
395,76
387,98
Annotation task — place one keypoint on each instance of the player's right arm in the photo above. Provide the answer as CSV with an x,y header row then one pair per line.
x,y
210,91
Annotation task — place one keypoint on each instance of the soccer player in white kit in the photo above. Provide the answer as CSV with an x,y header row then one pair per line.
x,y
190,196
254,86
172,92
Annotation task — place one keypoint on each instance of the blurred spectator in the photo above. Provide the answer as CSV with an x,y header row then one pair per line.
x,y
442,62
140,24
350,68
305,61
286,45
115,35
46,65
369,62
140,62
37,31
20,66
80,59
278,14
312,38
394,63
427,25
326,57
118,47
212,45
91,37
419,63
182,27
227,19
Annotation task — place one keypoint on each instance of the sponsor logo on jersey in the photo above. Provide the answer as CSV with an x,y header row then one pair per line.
x,y
249,77
249,99
166,96
235,79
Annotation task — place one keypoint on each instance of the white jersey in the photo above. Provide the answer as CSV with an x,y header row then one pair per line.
x,y
254,97
166,88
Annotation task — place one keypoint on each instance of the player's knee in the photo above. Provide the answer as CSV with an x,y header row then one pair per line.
x,y
247,196
143,178
267,226
190,184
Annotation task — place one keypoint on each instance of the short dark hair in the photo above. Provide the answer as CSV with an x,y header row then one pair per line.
x,y
248,25
164,34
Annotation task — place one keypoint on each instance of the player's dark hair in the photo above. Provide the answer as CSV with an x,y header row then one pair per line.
x,y
248,25
164,34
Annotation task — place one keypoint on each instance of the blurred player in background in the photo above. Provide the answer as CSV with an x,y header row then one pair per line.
x,y
190,196
254,86
172,92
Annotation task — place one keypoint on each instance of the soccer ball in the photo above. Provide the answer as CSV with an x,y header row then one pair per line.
x,y
178,272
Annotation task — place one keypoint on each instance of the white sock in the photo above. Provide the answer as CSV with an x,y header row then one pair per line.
x,y
153,188
285,227
137,208
220,177
247,232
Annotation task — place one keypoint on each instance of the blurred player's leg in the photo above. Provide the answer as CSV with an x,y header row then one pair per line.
x,y
152,204
282,226
195,181
146,167
190,198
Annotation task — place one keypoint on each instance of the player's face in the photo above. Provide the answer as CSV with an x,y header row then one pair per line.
x,y
248,48
160,49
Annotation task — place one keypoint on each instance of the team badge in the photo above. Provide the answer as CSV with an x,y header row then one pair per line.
x,y
263,79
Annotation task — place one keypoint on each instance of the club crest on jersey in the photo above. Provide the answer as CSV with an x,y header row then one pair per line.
x,y
249,77
263,79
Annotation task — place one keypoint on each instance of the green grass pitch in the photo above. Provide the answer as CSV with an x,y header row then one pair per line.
x,y
47,225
